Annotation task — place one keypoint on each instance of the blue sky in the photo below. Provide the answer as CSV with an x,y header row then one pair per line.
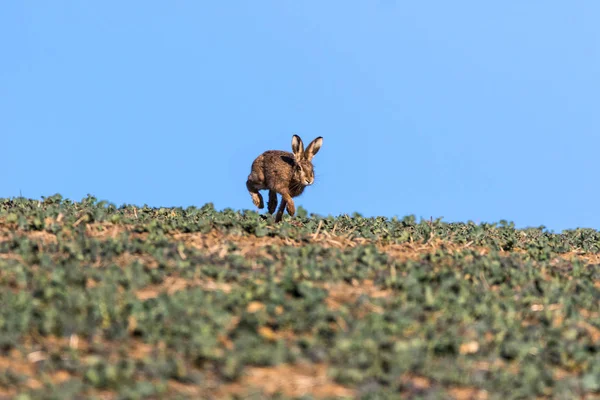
x,y
463,110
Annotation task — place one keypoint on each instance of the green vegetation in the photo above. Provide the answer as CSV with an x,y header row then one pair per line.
x,y
101,301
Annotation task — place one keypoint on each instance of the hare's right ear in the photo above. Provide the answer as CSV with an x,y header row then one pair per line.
x,y
297,147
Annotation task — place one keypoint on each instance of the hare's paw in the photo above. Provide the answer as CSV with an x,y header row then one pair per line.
x,y
291,208
279,216
257,199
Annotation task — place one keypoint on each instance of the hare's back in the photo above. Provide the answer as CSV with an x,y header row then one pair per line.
x,y
277,163
278,157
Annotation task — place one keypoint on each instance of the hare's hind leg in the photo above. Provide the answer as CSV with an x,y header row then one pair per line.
x,y
256,196
272,204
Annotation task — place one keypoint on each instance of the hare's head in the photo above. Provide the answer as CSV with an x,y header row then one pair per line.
x,y
303,169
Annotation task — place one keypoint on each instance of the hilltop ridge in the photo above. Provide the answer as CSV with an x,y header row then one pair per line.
x,y
114,302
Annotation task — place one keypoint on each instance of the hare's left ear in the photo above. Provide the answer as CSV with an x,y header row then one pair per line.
x,y
313,148
297,147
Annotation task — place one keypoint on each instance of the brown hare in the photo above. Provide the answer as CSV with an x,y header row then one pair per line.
x,y
284,173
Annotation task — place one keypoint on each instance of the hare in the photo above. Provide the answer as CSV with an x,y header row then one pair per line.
x,y
284,173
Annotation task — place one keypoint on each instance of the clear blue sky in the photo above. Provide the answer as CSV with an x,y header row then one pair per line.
x,y
465,110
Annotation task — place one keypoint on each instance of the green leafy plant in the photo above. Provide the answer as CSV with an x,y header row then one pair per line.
x,y
141,302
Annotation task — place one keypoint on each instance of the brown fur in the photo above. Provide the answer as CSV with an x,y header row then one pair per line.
x,y
284,173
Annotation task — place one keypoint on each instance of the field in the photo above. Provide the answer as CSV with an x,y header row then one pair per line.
x,y
108,302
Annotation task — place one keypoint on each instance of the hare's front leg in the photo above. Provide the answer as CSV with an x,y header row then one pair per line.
x,y
272,205
256,196
279,215
291,208
286,200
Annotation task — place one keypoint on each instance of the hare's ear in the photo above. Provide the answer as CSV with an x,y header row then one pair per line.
x,y
313,148
297,147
